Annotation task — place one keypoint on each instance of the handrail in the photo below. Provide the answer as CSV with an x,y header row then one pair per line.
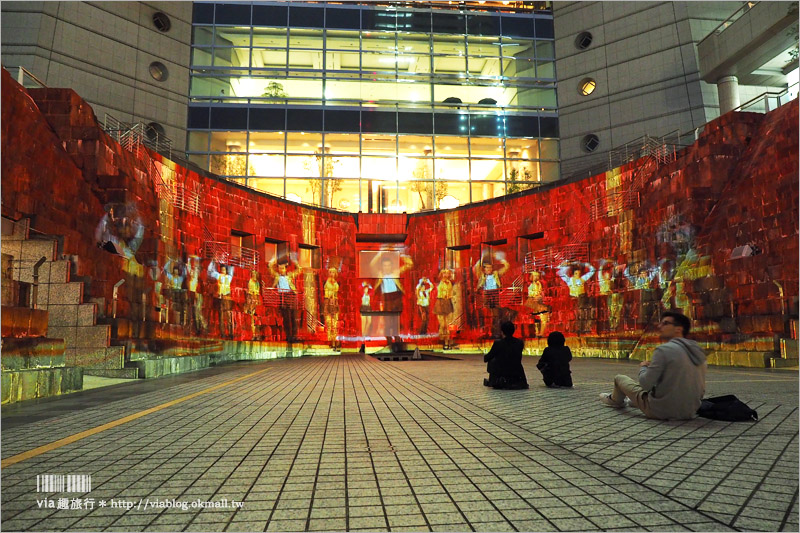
x,y
746,6
765,96
673,139
22,72
129,135
475,107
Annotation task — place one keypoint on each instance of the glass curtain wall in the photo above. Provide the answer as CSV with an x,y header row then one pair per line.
x,y
370,108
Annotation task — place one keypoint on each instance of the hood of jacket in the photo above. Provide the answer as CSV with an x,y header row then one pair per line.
x,y
696,353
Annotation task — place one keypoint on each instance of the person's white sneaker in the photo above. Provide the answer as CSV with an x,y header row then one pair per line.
x,y
605,397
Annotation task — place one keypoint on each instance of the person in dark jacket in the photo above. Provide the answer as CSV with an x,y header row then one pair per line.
x,y
554,363
505,361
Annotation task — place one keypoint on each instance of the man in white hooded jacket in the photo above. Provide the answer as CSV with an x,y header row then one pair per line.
x,y
672,384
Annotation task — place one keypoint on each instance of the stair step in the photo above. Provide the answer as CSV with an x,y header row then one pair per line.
x,y
776,362
67,315
83,337
15,230
23,322
49,272
35,249
112,357
59,293
120,373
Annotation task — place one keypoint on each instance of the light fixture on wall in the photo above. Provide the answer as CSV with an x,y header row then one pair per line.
x,y
747,250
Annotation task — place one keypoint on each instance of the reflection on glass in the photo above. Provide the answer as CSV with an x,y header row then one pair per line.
x,y
202,56
269,59
269,37
414,43
341,40
272,141
487,170
378,41
232,36
487,191
346,198
271,186
455,90
458,190
526,148
484,147
452,65
549,171
451,146
307,190
303,142
342,143
379,144
449,44
267,165
198,141
549,149
200,160
222,140
378,167
414,144
546,69
452,169
308,39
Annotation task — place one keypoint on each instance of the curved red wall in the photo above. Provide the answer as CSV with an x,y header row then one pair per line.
x,y
737,184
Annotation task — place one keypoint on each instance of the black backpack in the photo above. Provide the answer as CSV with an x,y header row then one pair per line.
x,y
729,408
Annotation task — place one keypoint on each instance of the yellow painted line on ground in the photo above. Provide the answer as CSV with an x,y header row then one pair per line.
x,y
89,432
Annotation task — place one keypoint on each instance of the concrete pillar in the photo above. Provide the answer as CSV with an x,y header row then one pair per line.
x,y
728,91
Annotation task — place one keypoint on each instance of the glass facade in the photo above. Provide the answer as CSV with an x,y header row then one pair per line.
x,y
375,108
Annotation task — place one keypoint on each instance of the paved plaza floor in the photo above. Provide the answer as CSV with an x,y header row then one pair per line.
x,y
349,443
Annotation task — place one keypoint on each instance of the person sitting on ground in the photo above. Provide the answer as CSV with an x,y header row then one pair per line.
x,y
554,363
671,386
505,361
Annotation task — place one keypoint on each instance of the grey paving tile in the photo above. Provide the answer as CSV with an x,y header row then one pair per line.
x,y
206,526
372,523
406,520
491,526
245,527
301,467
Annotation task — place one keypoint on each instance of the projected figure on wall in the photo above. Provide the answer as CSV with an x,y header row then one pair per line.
x,y
577,289
642,282
176,292
195,305
157,300
489,286
330,308
223,296
423,292
252,300
664,275
121,232
535,302
443,308
610,302
391,290
284,281
366,319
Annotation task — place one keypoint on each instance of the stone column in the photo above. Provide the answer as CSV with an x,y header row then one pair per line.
x,y
728,91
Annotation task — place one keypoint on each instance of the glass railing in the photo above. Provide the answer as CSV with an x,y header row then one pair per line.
x,y
769,101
